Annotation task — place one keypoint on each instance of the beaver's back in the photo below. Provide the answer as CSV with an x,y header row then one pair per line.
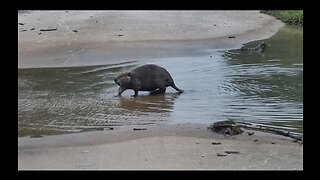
x,y
152,76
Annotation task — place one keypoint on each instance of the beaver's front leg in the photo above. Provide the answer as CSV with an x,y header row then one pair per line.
x,y
135,93
121,90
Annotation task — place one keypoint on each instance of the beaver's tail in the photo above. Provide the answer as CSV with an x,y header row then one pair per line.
x,y
176,88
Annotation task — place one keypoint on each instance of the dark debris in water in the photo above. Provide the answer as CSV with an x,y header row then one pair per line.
x,y
36,136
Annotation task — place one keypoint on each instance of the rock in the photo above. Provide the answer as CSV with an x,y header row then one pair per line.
x,y
228,127
74,30
250,133
21,24
231,37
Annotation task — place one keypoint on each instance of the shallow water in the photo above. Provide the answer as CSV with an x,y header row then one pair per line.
x,y
265,88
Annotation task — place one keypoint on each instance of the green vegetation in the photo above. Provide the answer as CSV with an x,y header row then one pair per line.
x,y
292,17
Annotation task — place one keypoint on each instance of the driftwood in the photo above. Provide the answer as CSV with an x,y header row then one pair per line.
x,y
49,29
232,152
296,137
232,127
139,129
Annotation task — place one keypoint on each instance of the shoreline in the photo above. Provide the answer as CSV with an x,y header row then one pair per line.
x,y
160,147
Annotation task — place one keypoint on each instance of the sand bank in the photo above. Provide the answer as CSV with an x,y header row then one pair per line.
x,y
106,37
160,147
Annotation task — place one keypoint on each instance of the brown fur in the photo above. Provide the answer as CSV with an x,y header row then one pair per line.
x,y
148,77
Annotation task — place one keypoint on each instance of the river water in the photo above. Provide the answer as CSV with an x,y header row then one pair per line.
x,y
260,87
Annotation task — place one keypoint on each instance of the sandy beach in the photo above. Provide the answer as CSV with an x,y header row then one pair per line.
x,y
117,36
108,37
160,147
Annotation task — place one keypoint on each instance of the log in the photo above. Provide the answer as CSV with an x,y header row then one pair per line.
x,y
272,130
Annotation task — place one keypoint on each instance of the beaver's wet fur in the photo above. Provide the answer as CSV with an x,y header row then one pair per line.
x,y
148,77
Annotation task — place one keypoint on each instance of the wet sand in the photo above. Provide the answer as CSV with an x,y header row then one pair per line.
x,y
160,147
91,38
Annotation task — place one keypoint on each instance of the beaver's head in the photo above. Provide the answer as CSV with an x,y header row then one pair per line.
x,y
123,79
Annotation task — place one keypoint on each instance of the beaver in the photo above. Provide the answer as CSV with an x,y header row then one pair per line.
x,y
149,77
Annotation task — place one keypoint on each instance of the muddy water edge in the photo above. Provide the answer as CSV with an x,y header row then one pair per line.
x,y
261,86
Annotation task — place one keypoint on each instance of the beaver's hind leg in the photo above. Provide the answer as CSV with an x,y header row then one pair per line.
x,y
158,91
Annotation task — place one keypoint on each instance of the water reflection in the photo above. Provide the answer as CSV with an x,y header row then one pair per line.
x,y
273,77
144,104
